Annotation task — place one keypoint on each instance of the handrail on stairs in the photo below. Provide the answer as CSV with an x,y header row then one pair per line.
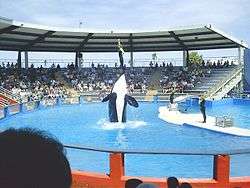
x,y
2,104
4,100
10,95
223,82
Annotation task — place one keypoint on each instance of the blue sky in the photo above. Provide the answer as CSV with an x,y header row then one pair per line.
x,y
231,16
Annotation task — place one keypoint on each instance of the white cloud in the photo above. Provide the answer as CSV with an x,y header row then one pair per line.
x,y
232,16
127,13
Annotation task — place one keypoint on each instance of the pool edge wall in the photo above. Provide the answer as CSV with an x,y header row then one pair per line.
x,y
116,178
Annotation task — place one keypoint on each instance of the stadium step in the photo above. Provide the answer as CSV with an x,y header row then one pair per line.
x,y
227,84
154,83
150,95
5,101
7,98
59,76
215,78
228,87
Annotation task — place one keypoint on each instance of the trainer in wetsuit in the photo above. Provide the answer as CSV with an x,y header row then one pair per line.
x,y
171,98
203,108
121,52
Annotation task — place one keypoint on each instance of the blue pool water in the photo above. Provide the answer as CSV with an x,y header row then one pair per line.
x,y
87,125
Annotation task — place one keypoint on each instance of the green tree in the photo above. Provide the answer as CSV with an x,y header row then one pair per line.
x,y
195,57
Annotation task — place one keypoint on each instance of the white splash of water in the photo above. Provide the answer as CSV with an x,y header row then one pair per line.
x,y
121,139
106,125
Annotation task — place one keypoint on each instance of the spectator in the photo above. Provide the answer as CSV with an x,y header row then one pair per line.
x,y
151,64
132,183
173,182
171,98
185,185
147,185
32,159
203,108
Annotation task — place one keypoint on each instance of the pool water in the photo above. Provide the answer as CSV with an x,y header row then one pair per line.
x,y
87,125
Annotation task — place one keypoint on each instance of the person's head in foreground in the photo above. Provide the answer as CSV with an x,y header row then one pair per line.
x,y
32,159
172,182
132,183
147,185
185,185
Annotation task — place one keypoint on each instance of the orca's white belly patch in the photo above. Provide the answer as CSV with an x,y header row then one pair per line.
x,y
120,88
120,106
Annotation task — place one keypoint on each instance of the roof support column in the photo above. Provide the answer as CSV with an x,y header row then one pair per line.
x,y
131,59
77,59
19,60
185,58
80,60
131,50
222,170
240,55
26,59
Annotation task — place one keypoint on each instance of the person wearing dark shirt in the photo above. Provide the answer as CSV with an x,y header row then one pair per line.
x,y
172,182
32,159
121,52
203,108
171,98
132,183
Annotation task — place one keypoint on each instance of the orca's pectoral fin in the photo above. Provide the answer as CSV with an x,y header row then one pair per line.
x,y
105,99
108,97
131,101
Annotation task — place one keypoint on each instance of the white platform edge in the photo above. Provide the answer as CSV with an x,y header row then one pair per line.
x,y
195,120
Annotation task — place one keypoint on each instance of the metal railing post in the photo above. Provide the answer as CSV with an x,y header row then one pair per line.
x,y
117,169
222,170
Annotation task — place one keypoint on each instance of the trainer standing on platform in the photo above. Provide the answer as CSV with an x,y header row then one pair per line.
x,y
171,98
203,108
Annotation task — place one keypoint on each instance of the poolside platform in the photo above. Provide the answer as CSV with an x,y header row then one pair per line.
x,y
174,116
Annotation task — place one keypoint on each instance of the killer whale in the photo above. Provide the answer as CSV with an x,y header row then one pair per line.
x,y
118,100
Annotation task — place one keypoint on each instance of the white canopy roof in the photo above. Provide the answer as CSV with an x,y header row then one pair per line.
x,y
18,36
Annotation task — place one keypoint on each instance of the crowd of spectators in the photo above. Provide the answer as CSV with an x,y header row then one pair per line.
x,y
37,83
180,79
33,83
185,78
102,78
